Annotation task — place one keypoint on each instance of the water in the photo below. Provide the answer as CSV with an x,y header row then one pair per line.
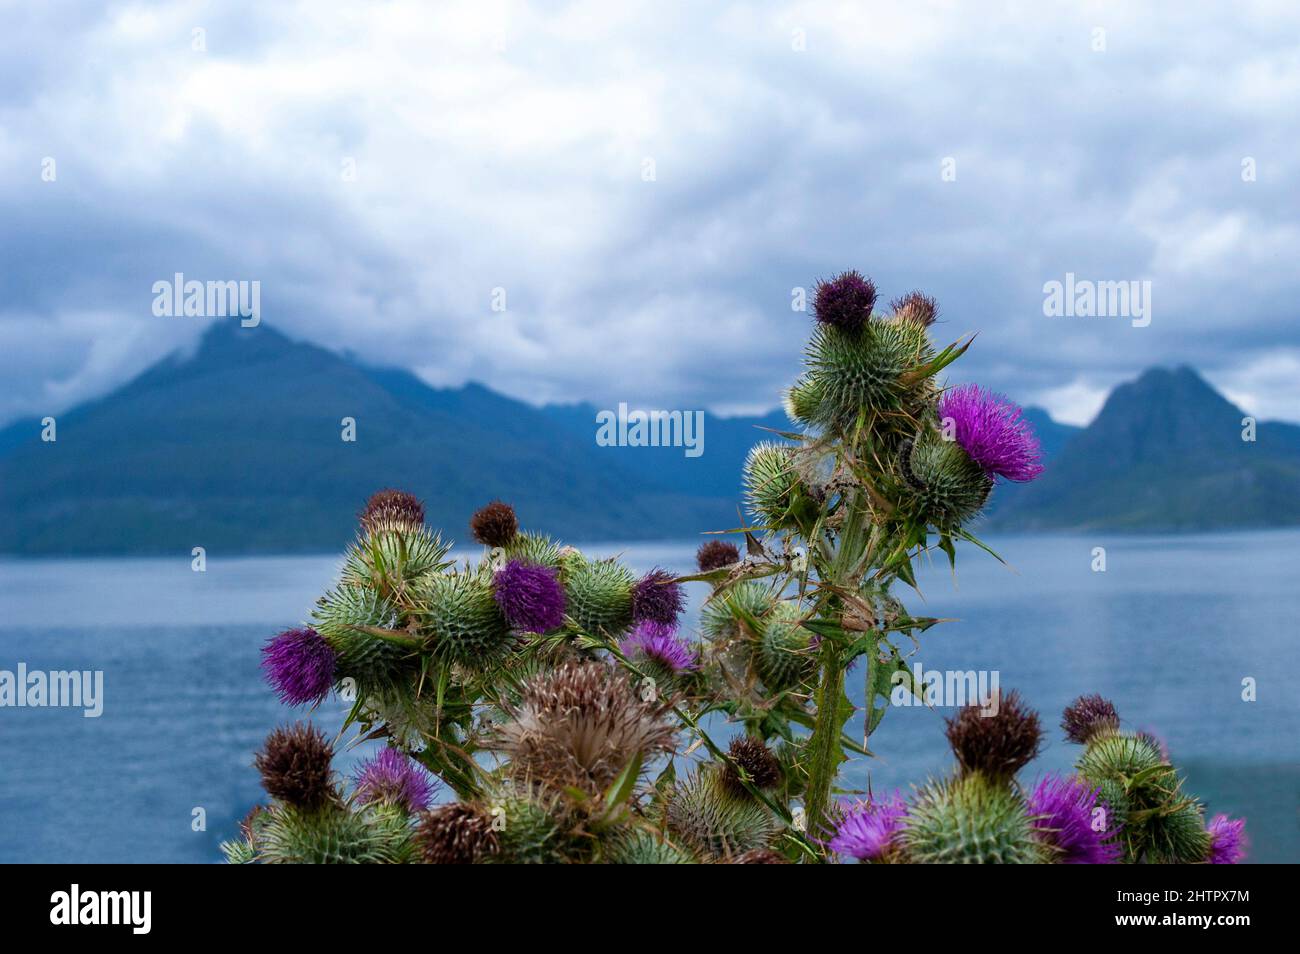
x,y
1168,632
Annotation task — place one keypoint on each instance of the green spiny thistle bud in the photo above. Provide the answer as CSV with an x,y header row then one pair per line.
x,y
1143,792
871,369
599,595
238,852
804,399
781,656
528,832
707,815
387,559
243,851
1115,801
1177,835
722,615
394,825
571,560
640,847
949,487
770,482
534,548
1119,758
969,821
330,835
461,618
665,680
342,617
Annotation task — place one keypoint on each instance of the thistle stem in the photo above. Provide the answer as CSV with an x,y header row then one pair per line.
x,y
826,752
825,746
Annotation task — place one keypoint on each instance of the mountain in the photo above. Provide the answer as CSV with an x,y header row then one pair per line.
x,y
238,448
1165,454
1052,434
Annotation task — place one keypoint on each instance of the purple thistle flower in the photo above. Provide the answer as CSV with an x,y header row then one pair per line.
x,y
1227,840
1061,809
657,598
845,301
867,830
658,642
916,306
1088,715
990,429
299,665
392,778
530,596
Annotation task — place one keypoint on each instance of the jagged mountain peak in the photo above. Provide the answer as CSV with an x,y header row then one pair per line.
x,y
1165,411
1165,453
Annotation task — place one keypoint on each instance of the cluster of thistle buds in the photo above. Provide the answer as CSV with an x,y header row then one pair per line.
x,y
541,687
551,704
920,455
1121,805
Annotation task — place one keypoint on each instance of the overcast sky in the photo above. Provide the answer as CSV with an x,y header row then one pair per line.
x,y
974,150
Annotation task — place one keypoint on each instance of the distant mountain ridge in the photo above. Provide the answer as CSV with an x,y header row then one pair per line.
x,y
1166,453
237,448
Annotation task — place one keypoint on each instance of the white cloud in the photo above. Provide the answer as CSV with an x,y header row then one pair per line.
x,y
501,143
1267,386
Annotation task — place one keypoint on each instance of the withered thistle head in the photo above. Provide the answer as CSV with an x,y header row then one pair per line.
x,y
916,306
295,765
759,856
714,554
580,725
494,525
456,834
845,301
1087,716
997,739
392,510
758,761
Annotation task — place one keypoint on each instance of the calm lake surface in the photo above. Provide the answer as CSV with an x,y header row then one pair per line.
x,y
1168,631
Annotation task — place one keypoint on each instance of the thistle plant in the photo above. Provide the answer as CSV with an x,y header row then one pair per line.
x,y
556,706
888,467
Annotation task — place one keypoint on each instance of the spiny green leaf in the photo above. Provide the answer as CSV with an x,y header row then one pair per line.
x,y
622,787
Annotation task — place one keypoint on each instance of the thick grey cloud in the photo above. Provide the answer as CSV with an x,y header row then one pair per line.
x,y
505,145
